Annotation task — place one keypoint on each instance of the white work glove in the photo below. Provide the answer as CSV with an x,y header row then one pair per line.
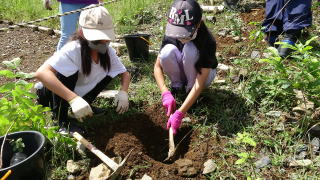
x,y
47,4
80,108
121,101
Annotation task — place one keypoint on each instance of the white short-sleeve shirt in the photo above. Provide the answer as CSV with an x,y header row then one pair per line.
x,y
67,61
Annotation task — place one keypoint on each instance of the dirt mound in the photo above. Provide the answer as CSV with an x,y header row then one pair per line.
x,y
146,134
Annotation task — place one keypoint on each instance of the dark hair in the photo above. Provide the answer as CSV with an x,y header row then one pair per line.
x,y
204,40
86,59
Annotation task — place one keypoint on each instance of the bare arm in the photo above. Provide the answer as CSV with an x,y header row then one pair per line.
x,y
158,74
46,74
125,80
196,90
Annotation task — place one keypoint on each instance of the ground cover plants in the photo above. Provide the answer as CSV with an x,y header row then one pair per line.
x,y
254,122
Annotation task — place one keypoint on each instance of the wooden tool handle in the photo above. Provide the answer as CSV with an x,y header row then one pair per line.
x,y
171,142
114,166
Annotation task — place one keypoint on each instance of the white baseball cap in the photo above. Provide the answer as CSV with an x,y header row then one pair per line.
x,y
96,24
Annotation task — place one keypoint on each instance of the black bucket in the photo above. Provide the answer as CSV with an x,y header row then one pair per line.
x,y
34,166
138,46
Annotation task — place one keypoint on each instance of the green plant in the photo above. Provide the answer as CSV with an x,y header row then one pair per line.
x,y
257,34
246,139
243,157
275,85
17,145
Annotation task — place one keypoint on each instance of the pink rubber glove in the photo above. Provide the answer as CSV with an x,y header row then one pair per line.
x,y
175,121
168,102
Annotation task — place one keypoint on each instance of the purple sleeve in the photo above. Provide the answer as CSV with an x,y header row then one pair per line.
x,y
80,1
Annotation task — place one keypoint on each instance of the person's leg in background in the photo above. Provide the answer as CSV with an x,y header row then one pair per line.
x,y
68,23
171,63
273,23
297,16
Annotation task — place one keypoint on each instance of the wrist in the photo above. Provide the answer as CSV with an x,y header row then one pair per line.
x,y
72,99
165,93
180,113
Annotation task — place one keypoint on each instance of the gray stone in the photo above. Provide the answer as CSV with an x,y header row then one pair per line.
x,y
315,143
71,177
274,113
108,93
212,19
186,168
302,155
280,127
236,39
73,167
186,119
262,162
300,163
223,32
146,177
100,172
209,166
223,67
255,55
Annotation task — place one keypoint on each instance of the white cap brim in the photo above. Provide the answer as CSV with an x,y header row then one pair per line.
x,y
96,34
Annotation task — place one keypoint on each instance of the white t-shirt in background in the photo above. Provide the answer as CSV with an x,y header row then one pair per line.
x,y
67,61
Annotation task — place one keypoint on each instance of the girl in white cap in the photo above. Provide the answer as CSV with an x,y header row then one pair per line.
x,y
77,73
187,56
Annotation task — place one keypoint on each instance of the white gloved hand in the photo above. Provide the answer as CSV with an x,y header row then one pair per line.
x,y
47,4
80,108
121,101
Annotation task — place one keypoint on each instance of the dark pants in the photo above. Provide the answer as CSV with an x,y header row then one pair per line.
x,y
287,15
60,106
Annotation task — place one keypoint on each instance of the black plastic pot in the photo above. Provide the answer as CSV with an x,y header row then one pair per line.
x,y
138,46
34,166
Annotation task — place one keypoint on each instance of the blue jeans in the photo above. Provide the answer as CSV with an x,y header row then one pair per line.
x,y
69,22
282,15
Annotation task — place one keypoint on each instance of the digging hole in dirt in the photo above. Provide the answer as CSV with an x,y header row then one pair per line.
x,y
145,132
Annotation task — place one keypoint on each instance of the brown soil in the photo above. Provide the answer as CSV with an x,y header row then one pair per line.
x,y
146,135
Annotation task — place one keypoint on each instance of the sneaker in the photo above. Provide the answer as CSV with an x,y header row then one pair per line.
x,y
271,38
285,51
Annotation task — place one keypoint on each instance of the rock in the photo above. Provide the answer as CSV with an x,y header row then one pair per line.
x,y
185,168
223,67
280,127
300,110
266,55
301,148
81,149
274,113
209,166
73,167
220,81
101,172
71,177
300,163
302,155
146,177
223,32
236,39
315,144
262,162
255,55
211,19
316,114
307,105
108,93
299,95
186,119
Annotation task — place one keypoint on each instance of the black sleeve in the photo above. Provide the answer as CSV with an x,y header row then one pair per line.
x,y
168,40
